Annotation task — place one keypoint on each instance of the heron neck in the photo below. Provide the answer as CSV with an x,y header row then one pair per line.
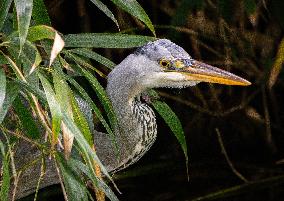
x,y
137,129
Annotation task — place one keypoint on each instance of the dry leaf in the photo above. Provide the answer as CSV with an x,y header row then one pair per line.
x,y
56,48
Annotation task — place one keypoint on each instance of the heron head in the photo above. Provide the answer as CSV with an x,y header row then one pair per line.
x,y
169,65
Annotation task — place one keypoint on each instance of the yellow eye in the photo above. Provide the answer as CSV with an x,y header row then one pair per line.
x,y
164,63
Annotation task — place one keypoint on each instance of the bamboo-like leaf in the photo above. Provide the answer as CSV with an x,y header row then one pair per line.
x,y
26,119
105,40
40,14
58,45
86,149
105,9
5,180
81,167
101,95
31,88
2,88
40,32
134,8
174,123
63,96
4,9
81,121
89,101
93,55
74,186
54,108
83,62
11,94
24,13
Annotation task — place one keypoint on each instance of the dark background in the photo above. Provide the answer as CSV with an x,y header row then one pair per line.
x,y
242,37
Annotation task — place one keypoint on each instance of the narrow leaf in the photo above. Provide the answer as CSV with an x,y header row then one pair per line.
x,y
54,108
86,149
63,95
105,9
101,95
4,9
75,188
91,103
95,56
27,121
81,167
81,121
173,122
58,45
40,14
134,8
40,32
11,94
2,88
24,13
105,40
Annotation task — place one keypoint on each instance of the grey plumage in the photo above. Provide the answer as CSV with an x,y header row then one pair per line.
x,y
157,64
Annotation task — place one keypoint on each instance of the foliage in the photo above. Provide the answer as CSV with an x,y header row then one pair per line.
x,y
37,91
38,96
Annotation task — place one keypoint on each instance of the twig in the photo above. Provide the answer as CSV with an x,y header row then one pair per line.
x,y
100,195
234,170
42,173
16,180
212,113
269,139
61,182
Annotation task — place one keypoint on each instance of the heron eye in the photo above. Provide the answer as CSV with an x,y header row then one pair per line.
x,y
165,63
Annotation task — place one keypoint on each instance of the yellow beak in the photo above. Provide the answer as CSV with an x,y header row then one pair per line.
x,y
202,72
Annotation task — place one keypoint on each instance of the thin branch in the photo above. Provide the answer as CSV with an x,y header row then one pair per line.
x,y
61,181
234,170
206,111
269,139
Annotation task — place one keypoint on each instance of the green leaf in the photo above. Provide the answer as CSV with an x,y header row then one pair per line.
x,y
101,95
53,106
40,14
93,55
27,121
62,90
5,180
81,121
74,186
89,101
40,32
31,88
174,123
105,40
11,94
134,8
2,88
81,167
4,9
87,151
24,13
105,9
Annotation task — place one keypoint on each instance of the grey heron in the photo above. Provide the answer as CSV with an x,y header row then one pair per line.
x,y
161,63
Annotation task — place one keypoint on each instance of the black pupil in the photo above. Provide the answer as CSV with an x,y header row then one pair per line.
x,y
164,63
